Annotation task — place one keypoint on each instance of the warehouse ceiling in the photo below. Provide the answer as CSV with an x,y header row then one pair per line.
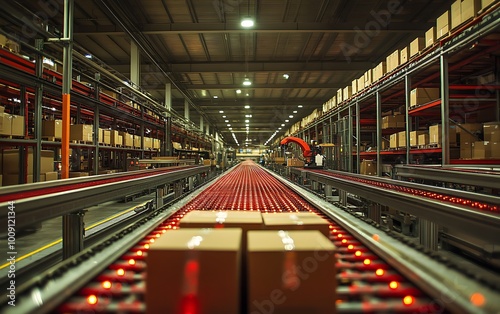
x,y
298,53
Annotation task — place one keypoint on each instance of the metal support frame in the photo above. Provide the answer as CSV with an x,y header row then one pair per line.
x,y
73,233
38,112
358,138
445,110
374,212
135,64
191,183
429,234
142,132
349,141
160,193
328,191
408,118
378,98
96,140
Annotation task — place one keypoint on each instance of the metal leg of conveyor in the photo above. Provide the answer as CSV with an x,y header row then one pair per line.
x,y
428,234
374,212
191,183
178,189
314,185
160,193
328,191
73,232
343,198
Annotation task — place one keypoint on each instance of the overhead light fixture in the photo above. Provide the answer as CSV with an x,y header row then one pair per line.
x,y
226,121
247,82
247,125
224,117
238,91
247,22
88,56
246,121
222,111
215,96
282,124
290,116
300,106
247,107
286,76
247,94
295,111
228,124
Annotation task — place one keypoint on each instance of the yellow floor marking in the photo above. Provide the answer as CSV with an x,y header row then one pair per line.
x,y
86,229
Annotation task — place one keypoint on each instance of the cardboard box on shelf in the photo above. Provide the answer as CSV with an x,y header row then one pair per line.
x,y
12,162
272,260
128,139
495,149
51,176
106,137
206,262
5,124
469,9
430,37
340,95
423,139
435,134
385,144
420,96
455,14
368,167
354,86
110,93
368,76
52,128
486,3
156,143
392,121
379,71
137,141
81,132
417,45
361,83
114,138
414,137
402,139
404,55
394,140
76,174
294,162
295,221
347,92
481,150
491,131
443,25
17,125
148,143
469,133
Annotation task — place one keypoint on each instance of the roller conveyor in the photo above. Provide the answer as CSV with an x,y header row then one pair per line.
x,y
368,282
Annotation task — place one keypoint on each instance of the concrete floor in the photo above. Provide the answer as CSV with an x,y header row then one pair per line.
x,y
31,246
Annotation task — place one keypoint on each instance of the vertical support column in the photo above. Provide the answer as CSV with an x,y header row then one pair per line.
x,y
379,132
358,137
96,139
445,110
142,132
66,89
328,191
350,134
167,142
408,118
38,112
497,82
343,198
135,65
191,183
201,124
159,196
374,212
186,109
429,233
73,232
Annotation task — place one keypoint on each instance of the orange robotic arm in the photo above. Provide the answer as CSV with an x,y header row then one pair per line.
x,y
306,150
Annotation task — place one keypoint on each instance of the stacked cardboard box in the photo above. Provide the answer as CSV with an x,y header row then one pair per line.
x,y
430,37
295,221
435,134
347,93
393,121
414,135
368,77
443,24
417,45
379,71
128,139
11,124
423,139
404,55
420,96
340,95
114,138
204,266
273,258
361,83
402,139
467,139
393,61
394,140
81,132
12,164
354,86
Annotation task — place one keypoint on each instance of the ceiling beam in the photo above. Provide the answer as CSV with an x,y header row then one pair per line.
x,y
255,86
281,27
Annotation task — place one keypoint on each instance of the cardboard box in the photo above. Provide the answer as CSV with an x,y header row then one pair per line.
x,y
347,93
137,141
12,162
296,221
294,162
354,86
456,16
423,139
385,144
81,132
404,55
495,149
430,37
202,263
420,96
148,143
128,139
443,24
469,9
466,138
52,128
491,131
75,174
417,45
273,259
379,71
114,138
106,135
368,167
486,3
368,76
392,121
414,137
120,140
394,140
481,150
361,84
51,176
435,134
156,143
13,179
17,125
5,124
340,95
110,93
402,139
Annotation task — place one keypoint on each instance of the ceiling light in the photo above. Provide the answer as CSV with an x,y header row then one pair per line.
x,y
228,124
279,128
247,22
247,82
247,125
238,91
287,120
286,76
247,107
300,106
226,121
203,93
248,116
88,56
222,111
290,116
247,94
230,129
224,117
282,125
246,121
295,111
215,96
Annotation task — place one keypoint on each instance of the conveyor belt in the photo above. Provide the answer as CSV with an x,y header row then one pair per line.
x,y
367,283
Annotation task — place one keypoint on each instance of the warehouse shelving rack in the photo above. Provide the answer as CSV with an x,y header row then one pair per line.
x,y
36,90
464,52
